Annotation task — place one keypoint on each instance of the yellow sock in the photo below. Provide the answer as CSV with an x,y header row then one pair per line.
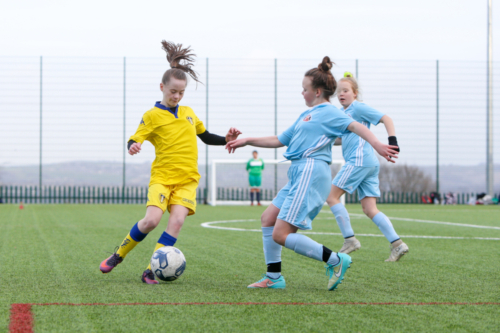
x,y
158,246
127,245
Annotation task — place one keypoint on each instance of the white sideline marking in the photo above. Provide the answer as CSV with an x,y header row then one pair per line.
x,y
427,221
211,225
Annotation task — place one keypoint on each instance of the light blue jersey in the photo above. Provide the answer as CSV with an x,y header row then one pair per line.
x,y
357,151
312,134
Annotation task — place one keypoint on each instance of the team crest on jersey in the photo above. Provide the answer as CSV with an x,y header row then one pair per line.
x,y
190,120
307,118
142,122
162,198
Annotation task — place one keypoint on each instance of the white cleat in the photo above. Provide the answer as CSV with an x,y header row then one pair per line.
x,y
397,252
350,245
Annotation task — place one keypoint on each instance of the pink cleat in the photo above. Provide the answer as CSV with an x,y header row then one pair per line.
x,y
148,277
267,282
108,264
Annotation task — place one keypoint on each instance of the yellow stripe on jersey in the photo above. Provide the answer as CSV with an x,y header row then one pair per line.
x,y
174,139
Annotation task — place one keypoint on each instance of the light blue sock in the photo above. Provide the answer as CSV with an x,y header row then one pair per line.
x,y
385,225
343,220
334,259
304,245
272,250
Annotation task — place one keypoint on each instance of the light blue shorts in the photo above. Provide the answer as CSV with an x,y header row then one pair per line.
x,y
364,179
305,193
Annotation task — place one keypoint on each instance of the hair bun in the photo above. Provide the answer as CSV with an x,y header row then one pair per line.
x,y
325,65
348,74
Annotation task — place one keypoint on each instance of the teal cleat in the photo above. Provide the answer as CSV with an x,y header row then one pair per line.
x,y
267,282
336,273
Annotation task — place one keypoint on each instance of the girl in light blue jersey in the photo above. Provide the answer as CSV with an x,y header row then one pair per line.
x,y
361,171
309,141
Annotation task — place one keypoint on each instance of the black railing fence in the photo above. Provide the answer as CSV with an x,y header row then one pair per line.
x,y
138,195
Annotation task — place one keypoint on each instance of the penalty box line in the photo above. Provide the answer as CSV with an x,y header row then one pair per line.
x,y
22,319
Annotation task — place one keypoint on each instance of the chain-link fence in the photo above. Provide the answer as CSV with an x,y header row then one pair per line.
x,y
65,121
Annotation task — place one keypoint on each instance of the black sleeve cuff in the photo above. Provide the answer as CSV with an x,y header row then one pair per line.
x,y
393,142
212,139
130,143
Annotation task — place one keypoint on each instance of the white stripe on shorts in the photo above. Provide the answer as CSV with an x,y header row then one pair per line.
x,y
302,178
302,184
304,190
345,176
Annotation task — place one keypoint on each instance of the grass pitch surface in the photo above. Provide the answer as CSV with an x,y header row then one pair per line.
x,y
51,254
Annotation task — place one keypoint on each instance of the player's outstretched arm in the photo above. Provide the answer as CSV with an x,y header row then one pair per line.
x,y
387,152
217,140
262,142
391,131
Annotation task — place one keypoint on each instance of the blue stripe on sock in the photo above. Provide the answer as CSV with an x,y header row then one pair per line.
x,y
136,234
167,240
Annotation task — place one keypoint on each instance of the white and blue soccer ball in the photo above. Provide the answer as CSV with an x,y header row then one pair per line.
x,y
168,263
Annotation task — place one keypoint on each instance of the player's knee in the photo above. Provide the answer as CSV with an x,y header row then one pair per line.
x,y
266,220
370,211
279,238
176,223
149,223
332,201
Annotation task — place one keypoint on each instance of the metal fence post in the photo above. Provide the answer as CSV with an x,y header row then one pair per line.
x,y
437,126
124,123
40,151
275,123
206,146
489,108
357,74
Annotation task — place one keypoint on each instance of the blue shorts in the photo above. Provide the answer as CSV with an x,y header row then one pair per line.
x,y
305,193
364,179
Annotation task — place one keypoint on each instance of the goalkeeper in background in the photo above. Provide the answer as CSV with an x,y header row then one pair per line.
x,y
254,167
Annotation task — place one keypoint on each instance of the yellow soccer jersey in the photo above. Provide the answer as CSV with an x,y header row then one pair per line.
x,y
173,134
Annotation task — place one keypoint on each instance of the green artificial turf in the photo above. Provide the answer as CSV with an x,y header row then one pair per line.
x,y
51,254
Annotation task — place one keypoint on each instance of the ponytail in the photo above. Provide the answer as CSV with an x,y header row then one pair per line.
x,y
176,54
322,78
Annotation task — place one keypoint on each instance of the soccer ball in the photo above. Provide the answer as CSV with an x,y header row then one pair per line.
x,y
168,263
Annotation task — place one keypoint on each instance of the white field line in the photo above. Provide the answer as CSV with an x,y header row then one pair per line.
x,y
211,225
427,221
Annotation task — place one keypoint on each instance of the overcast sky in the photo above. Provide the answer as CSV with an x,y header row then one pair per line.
x,y
364,29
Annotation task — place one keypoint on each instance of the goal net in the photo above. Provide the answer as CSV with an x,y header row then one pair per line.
x,y
229,180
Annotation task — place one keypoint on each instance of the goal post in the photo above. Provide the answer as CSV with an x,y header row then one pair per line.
x,y
229,180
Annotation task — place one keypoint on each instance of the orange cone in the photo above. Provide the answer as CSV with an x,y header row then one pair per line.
x,y
21,206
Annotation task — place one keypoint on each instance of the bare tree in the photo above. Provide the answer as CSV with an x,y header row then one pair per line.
x,y
404,178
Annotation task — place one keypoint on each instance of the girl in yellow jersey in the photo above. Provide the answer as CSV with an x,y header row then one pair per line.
x,y
172,129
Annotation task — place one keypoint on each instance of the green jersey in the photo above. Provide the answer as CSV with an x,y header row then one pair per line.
x,y
255,167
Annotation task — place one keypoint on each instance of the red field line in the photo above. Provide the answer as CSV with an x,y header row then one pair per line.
x,y
266,303
21,317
